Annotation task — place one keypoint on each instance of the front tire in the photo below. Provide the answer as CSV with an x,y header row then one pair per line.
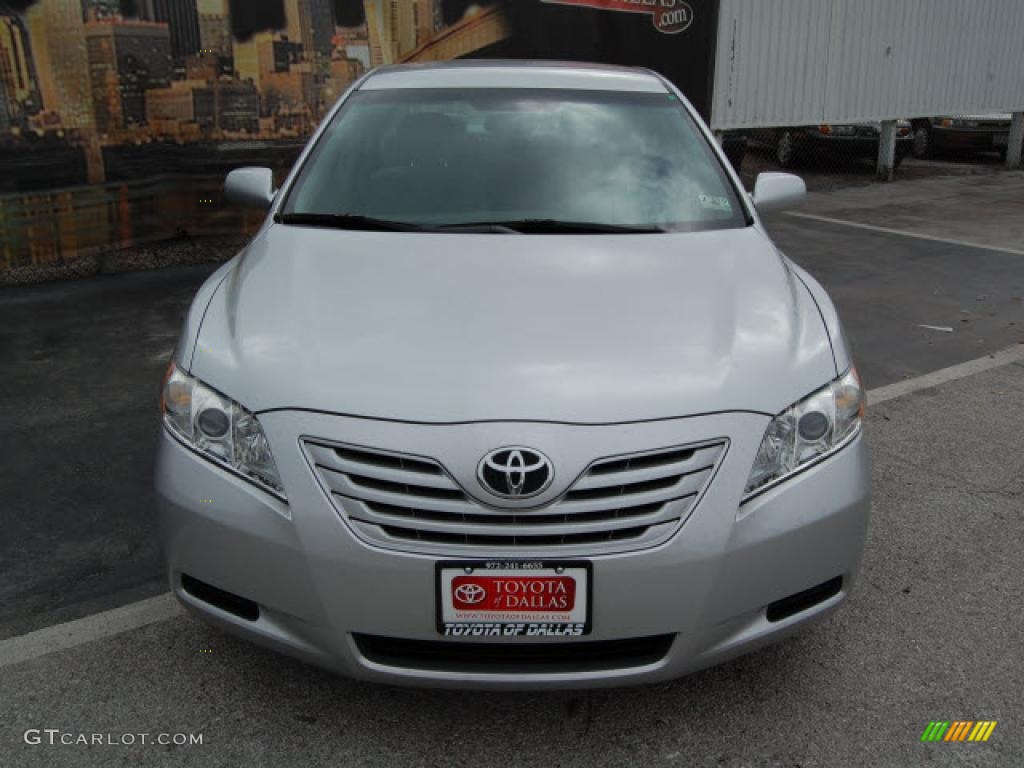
x,y
923,142
785,150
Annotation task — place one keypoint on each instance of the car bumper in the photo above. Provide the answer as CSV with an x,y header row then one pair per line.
x,y
321,591
978,139
851,145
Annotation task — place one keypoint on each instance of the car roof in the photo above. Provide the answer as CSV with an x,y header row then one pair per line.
x,y
515,74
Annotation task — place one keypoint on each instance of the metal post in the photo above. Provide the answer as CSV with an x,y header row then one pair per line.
x,y
1013,149
887,150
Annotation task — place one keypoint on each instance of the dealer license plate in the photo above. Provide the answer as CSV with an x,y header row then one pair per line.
x,y
513,598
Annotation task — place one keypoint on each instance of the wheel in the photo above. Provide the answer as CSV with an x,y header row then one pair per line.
x,y
922,141
785,150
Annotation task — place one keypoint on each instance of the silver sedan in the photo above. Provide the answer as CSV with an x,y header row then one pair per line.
x,y
511,389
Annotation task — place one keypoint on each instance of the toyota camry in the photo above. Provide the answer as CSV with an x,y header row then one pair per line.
x,y
512,389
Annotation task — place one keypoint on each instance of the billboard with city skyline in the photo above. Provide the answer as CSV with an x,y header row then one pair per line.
x,y
119,118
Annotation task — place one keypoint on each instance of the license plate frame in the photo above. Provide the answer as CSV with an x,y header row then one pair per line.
x,y
522,569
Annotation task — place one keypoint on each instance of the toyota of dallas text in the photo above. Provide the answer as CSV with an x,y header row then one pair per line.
x,y
511,389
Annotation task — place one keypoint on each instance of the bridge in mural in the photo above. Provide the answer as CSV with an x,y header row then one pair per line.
x,y
478,30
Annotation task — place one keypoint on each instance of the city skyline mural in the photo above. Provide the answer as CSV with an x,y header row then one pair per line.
x,y
101,73
119,118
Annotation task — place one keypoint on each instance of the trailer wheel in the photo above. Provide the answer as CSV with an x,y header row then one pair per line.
x,y
922,142
785,150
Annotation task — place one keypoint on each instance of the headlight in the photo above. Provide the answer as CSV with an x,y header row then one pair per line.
x,y
218,428
812,428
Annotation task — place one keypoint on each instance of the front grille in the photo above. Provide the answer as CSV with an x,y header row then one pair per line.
x,y
504,658
413,503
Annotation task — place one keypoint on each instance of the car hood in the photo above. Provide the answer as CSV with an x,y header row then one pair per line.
x,y
468,327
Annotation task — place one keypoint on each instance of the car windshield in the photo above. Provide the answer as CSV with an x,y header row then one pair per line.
x,y
516,160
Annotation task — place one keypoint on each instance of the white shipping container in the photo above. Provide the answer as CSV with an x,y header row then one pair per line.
x,y
805,62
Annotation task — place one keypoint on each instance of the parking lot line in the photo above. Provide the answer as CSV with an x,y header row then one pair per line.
x,y
903,233
60,637
1007,356
98,626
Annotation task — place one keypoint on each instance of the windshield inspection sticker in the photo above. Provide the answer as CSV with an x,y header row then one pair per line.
x,y
714,203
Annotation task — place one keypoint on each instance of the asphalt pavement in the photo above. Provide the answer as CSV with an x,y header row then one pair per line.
x,y
925,275
82,363
933,631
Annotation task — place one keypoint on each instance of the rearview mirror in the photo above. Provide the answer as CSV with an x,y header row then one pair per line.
x,y
778,191
250,187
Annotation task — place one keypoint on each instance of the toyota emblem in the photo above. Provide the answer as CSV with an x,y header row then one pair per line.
x,y
470,594
515,472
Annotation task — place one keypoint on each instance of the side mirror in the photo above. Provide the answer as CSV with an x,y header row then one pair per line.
x,y
778,191
250,187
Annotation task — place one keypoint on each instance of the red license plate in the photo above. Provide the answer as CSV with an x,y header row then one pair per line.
x,y
515,594
511,599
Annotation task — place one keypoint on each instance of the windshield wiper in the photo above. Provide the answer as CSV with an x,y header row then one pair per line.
x,y
347,221
511,226
486,228
556,226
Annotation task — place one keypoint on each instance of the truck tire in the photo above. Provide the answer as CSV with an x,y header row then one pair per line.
x,y
922,147
785,150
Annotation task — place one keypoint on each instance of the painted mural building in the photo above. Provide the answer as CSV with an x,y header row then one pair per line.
x,y
108,105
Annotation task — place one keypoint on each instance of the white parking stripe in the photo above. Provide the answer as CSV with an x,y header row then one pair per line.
x,y
102,625
96,627
904,233
900,388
